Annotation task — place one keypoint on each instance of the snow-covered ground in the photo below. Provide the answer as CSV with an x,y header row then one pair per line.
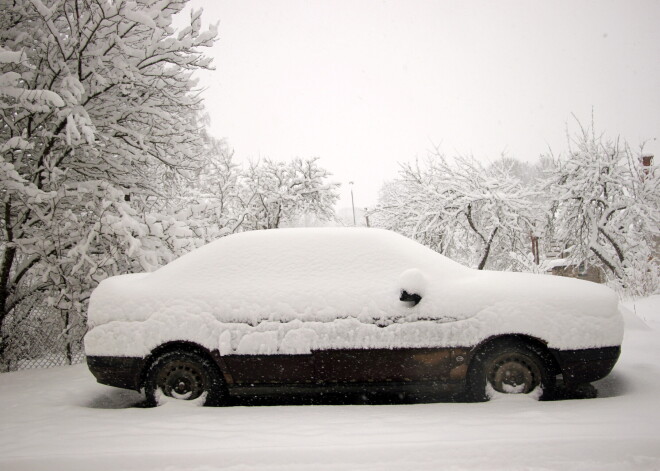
x,y
60,419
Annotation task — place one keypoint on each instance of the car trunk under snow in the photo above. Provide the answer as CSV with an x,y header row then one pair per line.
x,y
320,307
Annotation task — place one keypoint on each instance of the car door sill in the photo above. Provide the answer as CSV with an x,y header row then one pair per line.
x,y
348,388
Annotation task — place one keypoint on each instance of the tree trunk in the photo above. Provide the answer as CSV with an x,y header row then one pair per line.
x,y
67,338
8,258
482,264
535,249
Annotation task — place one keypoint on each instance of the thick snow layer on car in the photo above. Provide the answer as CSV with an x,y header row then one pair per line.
x,y
295,290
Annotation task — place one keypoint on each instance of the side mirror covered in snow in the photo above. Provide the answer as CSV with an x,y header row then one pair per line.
x,y
413,298
413,286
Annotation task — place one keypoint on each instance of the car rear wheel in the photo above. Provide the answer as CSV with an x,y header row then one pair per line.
x,y
185,376
509,367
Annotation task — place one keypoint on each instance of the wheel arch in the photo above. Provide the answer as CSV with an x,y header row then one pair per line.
x,y
538,345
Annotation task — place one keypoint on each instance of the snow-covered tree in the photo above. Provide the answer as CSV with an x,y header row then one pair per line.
x,y
597,206
606,211
100,124
213,205
229,197
275,193
460,208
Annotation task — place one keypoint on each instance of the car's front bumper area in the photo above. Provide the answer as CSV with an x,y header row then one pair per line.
x,y
586,365
122,372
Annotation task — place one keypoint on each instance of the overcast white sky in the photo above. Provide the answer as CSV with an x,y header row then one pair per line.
x,y
365,84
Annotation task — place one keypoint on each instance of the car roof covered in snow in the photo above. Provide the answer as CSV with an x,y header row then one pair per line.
x,y
304,251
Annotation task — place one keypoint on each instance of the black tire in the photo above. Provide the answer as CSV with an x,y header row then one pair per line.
x,y
186,376
511,366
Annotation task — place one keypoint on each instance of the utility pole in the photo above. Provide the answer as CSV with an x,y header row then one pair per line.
x,y
352,203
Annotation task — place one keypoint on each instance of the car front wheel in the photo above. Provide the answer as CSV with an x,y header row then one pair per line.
x,y
509,367
185,376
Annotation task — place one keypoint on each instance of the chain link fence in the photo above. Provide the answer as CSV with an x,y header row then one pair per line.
x,y
36,335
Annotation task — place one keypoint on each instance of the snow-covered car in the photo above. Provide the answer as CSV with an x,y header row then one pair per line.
x,y
344,309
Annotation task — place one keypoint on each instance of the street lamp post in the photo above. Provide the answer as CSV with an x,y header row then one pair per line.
x,y
352,203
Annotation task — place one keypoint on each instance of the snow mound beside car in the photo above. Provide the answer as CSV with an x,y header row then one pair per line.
x,y
295,290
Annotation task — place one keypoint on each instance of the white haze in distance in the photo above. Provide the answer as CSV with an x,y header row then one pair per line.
x,y
367,84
